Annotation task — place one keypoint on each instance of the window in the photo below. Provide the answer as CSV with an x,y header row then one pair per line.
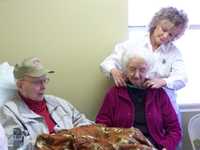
x,y
140,13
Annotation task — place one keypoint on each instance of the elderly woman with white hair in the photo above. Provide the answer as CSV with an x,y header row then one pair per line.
x,y
147,109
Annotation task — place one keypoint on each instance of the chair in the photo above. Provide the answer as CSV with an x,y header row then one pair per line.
x,y
194,131
7,83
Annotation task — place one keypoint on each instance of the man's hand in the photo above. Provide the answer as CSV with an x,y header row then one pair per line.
x,y
118,77
155,83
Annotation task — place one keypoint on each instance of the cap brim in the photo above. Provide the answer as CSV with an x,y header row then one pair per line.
x,y
51,71
40,73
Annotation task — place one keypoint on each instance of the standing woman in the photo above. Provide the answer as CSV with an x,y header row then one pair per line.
x,y
167,25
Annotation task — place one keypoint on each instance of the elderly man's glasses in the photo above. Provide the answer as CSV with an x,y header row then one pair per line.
x,y
38,81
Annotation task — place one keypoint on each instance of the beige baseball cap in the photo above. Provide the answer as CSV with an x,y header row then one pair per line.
x,y
30,67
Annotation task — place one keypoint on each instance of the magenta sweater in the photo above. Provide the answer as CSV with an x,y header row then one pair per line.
x,y
118,110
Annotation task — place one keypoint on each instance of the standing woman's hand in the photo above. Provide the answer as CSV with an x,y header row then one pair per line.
x,y
155,83
118,77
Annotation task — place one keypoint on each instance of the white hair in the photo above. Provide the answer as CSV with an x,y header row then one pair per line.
x,y
143,53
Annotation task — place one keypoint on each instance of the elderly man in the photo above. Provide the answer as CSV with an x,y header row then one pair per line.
x,y
31,112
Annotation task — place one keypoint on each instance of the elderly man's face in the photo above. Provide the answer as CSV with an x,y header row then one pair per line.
x,y
33,87
136,71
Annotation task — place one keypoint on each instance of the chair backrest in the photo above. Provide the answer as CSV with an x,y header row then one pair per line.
x,y
7,83
194,131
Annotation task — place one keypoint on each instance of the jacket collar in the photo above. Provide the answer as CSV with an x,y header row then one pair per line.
x,y
26,111
52,103
20,109
123,93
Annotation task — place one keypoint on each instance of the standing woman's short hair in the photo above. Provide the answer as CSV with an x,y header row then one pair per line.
x,y
177,17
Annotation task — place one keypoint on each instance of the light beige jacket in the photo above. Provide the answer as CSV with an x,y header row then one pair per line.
x,y
15,113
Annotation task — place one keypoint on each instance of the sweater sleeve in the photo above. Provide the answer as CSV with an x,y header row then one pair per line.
x,y
178,77
114,59
77,118
104,115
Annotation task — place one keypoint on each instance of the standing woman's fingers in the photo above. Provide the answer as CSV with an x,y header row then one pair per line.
x,y
119,81
148,83
118,77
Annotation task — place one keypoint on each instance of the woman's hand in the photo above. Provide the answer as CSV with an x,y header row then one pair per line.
x,y
119,77
155,83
